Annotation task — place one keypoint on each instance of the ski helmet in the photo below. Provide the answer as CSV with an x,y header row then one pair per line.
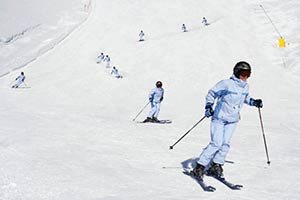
x,y
240,67
158,84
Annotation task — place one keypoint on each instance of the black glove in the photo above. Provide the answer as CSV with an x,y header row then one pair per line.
x,y
256,102
208,110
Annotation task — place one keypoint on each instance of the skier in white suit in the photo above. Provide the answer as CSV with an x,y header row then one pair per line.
x,y
100,58
156,96
107,60
141,35
115,72
230,95
19,80
204,21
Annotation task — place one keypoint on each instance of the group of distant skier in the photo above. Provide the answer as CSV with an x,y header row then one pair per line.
x,y
204,22
106,59
183,28
115,72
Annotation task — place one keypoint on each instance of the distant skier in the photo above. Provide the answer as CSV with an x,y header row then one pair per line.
x,y
107,60
142,35
205,22
19,80
230,95
155,97
100,58
183,28
115,72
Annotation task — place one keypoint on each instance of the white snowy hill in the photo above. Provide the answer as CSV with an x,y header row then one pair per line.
x,y
70,135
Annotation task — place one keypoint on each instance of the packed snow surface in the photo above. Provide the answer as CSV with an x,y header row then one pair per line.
x,y
68,133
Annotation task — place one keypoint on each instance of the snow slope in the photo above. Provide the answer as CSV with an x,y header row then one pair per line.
x,y
70,134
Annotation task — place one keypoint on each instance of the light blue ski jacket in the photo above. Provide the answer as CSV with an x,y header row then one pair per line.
x,y
230,94
156,95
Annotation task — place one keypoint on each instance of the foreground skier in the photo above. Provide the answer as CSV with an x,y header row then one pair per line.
x,y
231,94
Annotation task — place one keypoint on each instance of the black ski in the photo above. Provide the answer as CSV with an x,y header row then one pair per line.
x,y
200,181
227,183
159,122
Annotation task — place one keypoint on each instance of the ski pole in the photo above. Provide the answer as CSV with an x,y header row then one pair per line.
x,y
263,132
172,146
12,82
141,111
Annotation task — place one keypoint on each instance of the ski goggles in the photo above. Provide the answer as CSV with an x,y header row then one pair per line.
x,y
245,73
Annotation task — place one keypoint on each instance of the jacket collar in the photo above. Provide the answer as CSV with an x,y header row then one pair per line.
x,y
238,81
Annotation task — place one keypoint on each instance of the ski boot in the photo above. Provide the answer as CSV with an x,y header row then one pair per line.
x,y
154,119
148,119
216,170
198,170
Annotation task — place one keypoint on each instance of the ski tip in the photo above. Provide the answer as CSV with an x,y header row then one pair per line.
x,y
210,189
237,187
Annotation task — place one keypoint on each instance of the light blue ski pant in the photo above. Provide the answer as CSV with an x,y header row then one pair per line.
x,y
219,145
18,83
155,108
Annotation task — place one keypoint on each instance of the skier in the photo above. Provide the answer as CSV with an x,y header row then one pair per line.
x,y
230,95
142,34
204,21
100,58
107,60
183,28
19,80
155,97
115,72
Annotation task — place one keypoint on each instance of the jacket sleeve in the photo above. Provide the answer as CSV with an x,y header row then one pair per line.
x,y
247,99
218,90
151,95
162,96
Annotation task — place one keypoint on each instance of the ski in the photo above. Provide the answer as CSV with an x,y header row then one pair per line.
x,y
227,183
200,181
158,122
22,87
